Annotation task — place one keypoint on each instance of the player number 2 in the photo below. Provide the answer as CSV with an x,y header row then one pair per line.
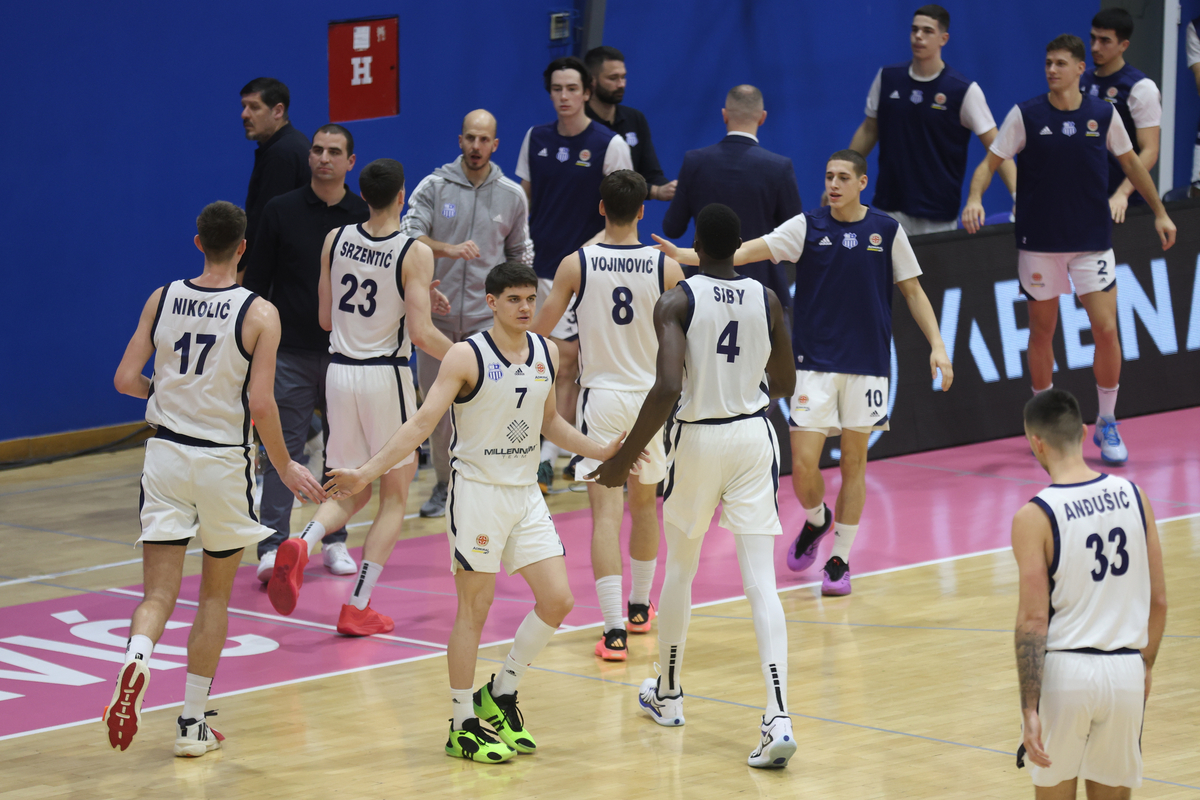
x,y
727,342
369,286
622,312
874,398
184,348
1120,565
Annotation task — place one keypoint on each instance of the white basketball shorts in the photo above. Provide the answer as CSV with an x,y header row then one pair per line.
x,y
489,525
366,403
1091,713
603,414
1044,276
735,464
827,402
190,491
567,328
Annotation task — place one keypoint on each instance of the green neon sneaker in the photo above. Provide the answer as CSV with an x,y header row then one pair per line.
x,y
475,744
504,716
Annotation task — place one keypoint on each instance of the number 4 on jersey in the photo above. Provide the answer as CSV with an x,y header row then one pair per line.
x,y
727,342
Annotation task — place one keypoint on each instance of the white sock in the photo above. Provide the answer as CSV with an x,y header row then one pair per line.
x,y
816,516
462,706
367,575
532,636
1108,401
1036,392
549,451
643,579
312,534
843,540
608,589
671,663
139,648
776,678
195,696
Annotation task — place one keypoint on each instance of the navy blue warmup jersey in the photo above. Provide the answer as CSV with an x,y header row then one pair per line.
x,y
1062,178
1114,89
842,313
922,143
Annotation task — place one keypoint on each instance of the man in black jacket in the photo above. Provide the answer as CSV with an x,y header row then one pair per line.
x,y
281,160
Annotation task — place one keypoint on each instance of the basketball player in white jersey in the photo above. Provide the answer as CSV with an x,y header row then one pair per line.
x,y
616,284
499,386
213,345
724,354
1093,605
373,296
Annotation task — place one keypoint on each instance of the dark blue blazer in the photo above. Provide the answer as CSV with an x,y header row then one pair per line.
x,y
757,184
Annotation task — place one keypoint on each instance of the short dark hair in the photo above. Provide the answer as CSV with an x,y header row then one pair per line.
x,y
569,62
272,91
222,227
1053,416
507,275
623,192
596,57
1117,20
719,230
935,12
854,157
380,182
1069,42
333,127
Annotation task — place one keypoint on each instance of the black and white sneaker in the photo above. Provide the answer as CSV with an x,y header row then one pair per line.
x,y
194,737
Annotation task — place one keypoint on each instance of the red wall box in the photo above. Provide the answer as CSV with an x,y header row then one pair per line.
x,y
364,68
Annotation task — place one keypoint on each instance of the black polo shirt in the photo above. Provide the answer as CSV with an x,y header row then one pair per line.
x,y
631,124
280,166
285,265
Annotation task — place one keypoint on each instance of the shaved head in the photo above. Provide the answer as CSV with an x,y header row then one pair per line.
x,y
744,104
480,119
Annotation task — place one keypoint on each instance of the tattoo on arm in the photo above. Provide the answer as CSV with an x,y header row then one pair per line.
x,y
1031,658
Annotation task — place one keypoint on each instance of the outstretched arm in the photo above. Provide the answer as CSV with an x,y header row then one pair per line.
x,y
1030,537
750,252
563,433
922,312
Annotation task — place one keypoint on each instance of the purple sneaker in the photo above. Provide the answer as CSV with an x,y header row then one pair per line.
x,y
835,578
803,552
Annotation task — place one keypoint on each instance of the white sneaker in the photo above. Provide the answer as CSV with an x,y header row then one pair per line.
x,y
266,566
1112,449
195,737
778,744
337,559
666,711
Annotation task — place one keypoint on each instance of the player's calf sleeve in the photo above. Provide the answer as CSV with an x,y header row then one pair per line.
x,y
675,600
756,558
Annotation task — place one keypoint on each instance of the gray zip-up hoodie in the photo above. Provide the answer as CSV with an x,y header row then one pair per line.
x,y
447,208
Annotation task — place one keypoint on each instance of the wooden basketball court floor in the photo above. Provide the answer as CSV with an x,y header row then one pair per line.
x,y
906,688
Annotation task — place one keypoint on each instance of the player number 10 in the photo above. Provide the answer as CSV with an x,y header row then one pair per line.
x,y
874,398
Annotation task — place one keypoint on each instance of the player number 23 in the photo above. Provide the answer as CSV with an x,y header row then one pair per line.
x,y
369,286
1120,564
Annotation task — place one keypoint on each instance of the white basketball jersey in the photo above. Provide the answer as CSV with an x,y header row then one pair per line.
x,y
1100,576
368,297
618,287
201,367
496,426
728,343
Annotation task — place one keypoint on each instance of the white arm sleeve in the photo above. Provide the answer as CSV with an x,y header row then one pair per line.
x,y
1118,137
1193,45
904,260
523,158
1011,138
1145,104
786,242
975,113
617,156
873,96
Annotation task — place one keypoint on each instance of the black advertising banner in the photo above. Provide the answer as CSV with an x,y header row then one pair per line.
x,y
972,284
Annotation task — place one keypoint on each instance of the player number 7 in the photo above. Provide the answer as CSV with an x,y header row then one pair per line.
x,y
521,391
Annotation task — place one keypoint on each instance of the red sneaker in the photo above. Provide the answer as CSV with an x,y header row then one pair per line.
x,y
352,622
284,587
639,617
123,713
611,646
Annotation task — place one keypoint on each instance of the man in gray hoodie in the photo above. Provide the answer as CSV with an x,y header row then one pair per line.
x,y
473,218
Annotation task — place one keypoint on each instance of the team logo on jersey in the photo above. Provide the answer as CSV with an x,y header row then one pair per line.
x,y
543,152
482,540
895,95
585,155
518,430
876,239
563,154
449,210
539,370
1112,91
917,96
825,241
1069,128
1045,131
939,101
1095,90
802,403
631,139
1093,128
495,372
849,240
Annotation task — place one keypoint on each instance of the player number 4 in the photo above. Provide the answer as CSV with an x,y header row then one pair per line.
x,y
184,347
727,342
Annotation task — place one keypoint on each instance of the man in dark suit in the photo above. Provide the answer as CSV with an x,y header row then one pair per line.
x,y
760,186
